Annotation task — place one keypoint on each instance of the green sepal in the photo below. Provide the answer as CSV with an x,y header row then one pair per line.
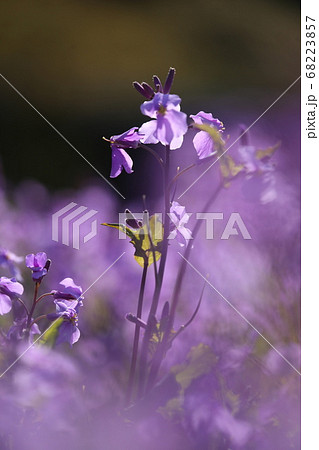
x,y
140,239
49,337
228,167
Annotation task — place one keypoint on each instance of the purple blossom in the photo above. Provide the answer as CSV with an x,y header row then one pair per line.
x,y
9,289
169,125
203,143
68,330
17,330
38,264
179,218
120,159
260,181
69,291
9,260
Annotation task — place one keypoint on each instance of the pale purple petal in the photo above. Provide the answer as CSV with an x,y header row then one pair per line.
x,y
70,287
175,127
68,333
203,118
204,145
170,124
120,160
10,286
5,304
148,129
128,139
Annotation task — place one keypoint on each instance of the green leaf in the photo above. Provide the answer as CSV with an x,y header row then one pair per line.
x,y
49,337
228,166
268,152
143,238
158,330
200,361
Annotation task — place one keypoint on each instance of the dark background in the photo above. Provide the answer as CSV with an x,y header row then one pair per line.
x,y
75,62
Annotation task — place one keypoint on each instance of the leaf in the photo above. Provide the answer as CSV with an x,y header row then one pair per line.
x,y
143,238
268,152
50,335
219,143
200,361
228,166
158,330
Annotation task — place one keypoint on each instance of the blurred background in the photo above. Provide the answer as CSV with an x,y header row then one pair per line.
x,y
75,62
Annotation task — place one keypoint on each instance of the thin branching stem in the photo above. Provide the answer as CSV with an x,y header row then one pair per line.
x,y
154,154
159,281
136,335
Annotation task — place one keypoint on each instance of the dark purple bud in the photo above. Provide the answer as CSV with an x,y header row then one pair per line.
x,y
164,317
157,84
244,140
148,90
131,220
48,265
131,318
169,80
140,89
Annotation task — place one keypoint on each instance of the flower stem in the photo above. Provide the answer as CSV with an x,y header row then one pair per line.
x,y
154,154
43,316
24,305
42,296
162,347
159,280
36,288
136,335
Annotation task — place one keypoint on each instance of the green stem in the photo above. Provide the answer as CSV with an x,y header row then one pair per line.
x,y
36,288
160,353
154,154
42,296
24,306
159,281
136,336
43,316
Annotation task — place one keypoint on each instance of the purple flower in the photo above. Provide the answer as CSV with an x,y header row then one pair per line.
x,y
179,218
17,330
260,181
120,159
68,330
203,142
169,125
10,260
70,291
38,264
9,289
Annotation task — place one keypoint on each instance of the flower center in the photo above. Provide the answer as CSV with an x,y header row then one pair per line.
x,y
72,317
161,110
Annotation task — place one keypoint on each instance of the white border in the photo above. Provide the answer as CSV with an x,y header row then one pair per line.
x,y
310,243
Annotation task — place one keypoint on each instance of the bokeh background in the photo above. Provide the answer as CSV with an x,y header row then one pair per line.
x,y
75,62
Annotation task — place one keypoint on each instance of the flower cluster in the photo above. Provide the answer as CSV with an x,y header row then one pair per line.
x,y
167,127
67,300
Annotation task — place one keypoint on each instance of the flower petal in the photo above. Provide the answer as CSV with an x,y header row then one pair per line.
x,y
204,145
5,304
120,160
148,129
